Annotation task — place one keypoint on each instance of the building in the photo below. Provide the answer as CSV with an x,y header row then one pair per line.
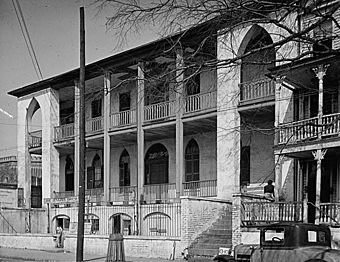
x,y
173,154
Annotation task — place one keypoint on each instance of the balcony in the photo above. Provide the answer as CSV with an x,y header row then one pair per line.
x,y
309,129
124,118
94,125
257,91
35,139
159,193
200,102
160,111
200,188
64,132
123,195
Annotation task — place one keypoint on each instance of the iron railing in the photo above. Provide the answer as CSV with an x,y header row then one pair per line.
x,y
159,193
205,188
125,194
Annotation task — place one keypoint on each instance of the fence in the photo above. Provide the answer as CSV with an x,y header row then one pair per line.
x,y
254,213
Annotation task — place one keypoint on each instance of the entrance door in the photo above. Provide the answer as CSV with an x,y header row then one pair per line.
x,y
311,188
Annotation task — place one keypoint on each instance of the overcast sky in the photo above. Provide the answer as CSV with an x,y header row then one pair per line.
x,y
53,26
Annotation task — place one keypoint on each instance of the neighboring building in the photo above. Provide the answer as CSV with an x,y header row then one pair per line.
x,y
167,157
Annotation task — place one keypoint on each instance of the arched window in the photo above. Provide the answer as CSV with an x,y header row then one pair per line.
x,y
95,175
69,175
124,169
157,165
192,162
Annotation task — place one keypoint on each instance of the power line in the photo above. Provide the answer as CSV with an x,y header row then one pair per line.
x,y
27,38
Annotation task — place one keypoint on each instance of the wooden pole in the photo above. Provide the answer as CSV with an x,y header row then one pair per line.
x,y
81,206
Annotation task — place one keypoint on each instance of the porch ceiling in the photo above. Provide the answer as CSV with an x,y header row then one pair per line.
x,y
301,75
123,139
208,124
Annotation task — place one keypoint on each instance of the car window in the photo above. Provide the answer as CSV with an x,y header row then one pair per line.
x,y
274,236
316,237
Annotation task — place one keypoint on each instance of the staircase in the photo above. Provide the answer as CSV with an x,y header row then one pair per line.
x,y
207,244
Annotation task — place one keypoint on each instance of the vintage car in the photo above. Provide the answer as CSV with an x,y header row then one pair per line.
x,y
287,242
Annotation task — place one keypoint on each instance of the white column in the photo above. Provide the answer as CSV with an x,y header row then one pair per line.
x,y
76,136
49,103
107,110
318,156
320,72
23,156
180,104
140,131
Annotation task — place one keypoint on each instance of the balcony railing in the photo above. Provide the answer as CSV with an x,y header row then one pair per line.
x,y
64,194
254,213
160,193
330,214
264,88
35,139
64,132
160,110
125,195
123,118
200,188
94,125
200,102
309,129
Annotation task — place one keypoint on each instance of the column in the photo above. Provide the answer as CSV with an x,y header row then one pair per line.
x,y
278,175
180,104
278,83
76,137
320,72
140,131
49,103
107,110
318,156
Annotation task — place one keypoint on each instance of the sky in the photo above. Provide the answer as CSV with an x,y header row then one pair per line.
x,y
53,26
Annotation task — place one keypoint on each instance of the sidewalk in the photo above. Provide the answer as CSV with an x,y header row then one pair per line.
x,y
15,254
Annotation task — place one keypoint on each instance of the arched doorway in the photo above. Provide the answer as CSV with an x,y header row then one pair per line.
x,y
255,66
124,169
192,161
121,223
69,175
157,165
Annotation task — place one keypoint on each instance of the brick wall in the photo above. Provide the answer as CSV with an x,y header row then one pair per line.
x,y
198,214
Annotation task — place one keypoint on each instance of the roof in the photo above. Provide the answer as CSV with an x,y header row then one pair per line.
x,y
126,58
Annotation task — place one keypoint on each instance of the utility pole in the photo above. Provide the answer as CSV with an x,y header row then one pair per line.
x,y
81,196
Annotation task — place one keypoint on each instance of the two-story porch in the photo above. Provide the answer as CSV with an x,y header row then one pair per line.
x,y
306,148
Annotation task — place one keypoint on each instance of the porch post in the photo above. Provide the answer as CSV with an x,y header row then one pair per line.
x,y
318,156
278,84
140,133
320,72
76,136
278,175
179,124
107,99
